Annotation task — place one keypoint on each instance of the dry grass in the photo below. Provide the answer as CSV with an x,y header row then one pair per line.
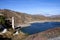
x,y
9,34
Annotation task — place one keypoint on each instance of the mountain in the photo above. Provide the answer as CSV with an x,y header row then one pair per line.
x,y
49,34
23,18
20,18
55,17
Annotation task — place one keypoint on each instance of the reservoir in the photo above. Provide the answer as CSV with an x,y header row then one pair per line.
x,y
40,27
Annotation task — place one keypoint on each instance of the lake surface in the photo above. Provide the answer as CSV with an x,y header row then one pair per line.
x,y
39,27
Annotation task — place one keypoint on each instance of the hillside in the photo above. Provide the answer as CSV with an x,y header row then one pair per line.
x,y
20,18
23,18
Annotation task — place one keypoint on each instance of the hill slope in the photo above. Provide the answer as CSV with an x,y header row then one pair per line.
x,y
20,18
23,18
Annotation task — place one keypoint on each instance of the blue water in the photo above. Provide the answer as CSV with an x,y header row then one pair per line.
x,y
39,27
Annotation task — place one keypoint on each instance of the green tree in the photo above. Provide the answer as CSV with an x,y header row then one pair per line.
x,y
2,20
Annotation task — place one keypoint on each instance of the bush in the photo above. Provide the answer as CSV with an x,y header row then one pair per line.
x,y
2,20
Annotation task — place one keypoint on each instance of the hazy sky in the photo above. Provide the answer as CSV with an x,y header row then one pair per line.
x,y
45,7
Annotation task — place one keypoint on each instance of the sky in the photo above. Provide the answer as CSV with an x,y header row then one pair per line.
x,y
41,7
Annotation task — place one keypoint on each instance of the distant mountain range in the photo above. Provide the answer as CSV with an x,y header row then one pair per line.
x,y
23,18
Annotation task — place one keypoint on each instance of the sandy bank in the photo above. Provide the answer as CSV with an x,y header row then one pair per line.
x,y
29,23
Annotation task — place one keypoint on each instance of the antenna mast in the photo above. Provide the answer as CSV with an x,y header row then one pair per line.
x,y
13,22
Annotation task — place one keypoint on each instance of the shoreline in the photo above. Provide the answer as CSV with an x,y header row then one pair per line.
x,y
44,21
29,23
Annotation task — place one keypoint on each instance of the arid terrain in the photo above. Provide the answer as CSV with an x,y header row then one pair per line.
x,y
23,18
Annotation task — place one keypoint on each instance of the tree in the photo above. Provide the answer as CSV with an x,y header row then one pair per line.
x,y
2,20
